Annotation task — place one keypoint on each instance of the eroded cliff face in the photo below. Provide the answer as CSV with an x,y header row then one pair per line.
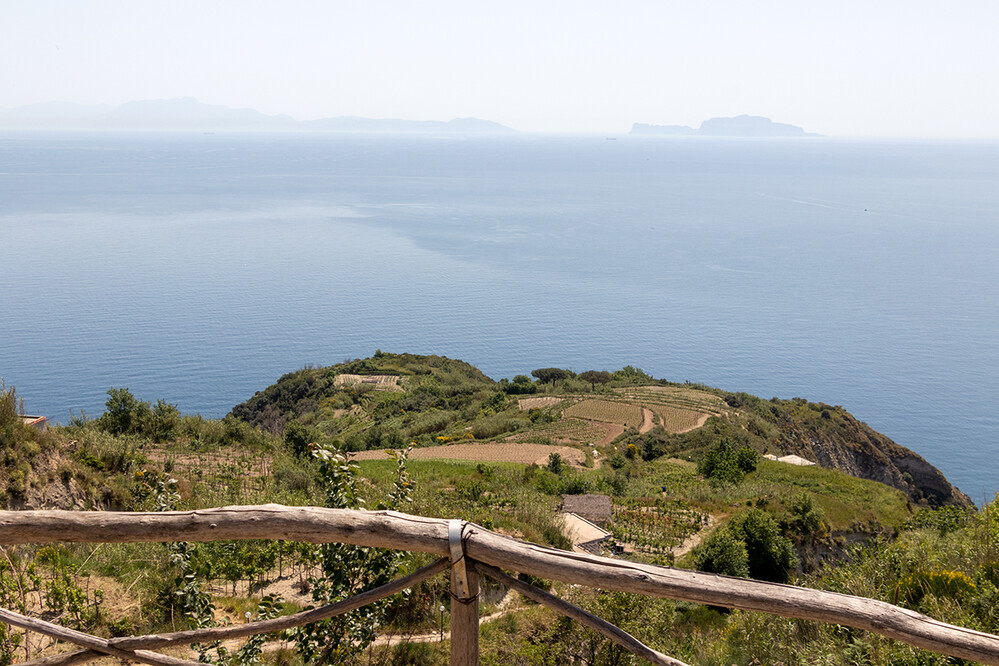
x,y
855,448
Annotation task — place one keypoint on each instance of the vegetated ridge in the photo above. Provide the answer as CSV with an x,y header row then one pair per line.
x,y
442,399
672,473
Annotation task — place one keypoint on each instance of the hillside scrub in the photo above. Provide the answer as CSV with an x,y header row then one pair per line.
x,y
810,526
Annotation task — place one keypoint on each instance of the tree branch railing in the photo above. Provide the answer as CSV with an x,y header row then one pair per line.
x,y
479,550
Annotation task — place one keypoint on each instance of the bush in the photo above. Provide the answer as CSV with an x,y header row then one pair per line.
x,y
771,556
941,584
122,412
576,484
726,464
722,553
491,427
297,438
806,515
430,422
164,420
292,478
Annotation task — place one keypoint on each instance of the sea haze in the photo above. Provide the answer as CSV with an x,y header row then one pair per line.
x,y
200,268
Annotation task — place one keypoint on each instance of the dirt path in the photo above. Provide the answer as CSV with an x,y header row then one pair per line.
x,y
647,422
501,609
691,542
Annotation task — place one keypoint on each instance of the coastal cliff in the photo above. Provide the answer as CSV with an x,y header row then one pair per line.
x,y
833,438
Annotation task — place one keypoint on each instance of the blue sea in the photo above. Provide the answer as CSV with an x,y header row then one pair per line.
x,y
199,268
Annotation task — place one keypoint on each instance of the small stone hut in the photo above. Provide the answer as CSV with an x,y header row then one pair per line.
x,y
594,508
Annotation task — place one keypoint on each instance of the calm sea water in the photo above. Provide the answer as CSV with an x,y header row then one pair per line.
x,y
199,268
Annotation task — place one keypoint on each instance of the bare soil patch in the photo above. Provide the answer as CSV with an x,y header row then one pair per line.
x,y
541,402
647,422
515,452
380,382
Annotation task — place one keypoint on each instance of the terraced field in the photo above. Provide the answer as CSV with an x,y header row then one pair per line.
x,y
678,397
609,411
673,419
677,409
539,402
566,430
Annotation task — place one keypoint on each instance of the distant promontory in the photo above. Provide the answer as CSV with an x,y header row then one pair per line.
x,y
188,114
738,126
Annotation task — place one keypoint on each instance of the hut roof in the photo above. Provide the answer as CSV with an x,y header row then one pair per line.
x,y
597,508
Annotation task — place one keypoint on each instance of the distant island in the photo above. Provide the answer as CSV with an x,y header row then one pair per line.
x,y
189,114
738,126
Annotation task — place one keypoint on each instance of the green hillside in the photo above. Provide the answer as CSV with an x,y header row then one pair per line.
x,y
436,400
681,469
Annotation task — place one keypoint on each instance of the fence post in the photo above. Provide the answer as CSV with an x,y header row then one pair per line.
x,y
464,601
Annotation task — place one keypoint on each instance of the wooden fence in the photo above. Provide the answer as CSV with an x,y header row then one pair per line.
x,y
468,550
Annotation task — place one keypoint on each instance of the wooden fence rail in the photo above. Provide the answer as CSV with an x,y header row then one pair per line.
x,y
476,545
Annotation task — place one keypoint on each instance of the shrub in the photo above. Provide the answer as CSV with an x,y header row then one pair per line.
x,y
292,478
297,438
575,484
722,553
121,412
806,515
771,556
430,422
726,464
941,584
164,419
491,427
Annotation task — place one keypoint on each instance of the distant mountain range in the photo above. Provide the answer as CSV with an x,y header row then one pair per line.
x,y
747,126
189,114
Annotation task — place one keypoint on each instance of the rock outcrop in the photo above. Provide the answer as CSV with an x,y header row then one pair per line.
x,y
839,441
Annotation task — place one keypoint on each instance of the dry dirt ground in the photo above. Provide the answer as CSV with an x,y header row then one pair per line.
x,y
647,422
515,452
527,404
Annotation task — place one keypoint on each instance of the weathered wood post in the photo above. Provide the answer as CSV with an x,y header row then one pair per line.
x,y
464,601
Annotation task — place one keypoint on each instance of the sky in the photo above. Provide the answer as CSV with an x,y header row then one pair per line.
x,y
871,68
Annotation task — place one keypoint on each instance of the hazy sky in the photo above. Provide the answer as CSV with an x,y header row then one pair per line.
x,y
909,68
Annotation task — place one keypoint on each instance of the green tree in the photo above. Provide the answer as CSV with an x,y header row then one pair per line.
x,y
595,377
121,412
297,438
806,515
164,421
630,373
545,375
521,385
